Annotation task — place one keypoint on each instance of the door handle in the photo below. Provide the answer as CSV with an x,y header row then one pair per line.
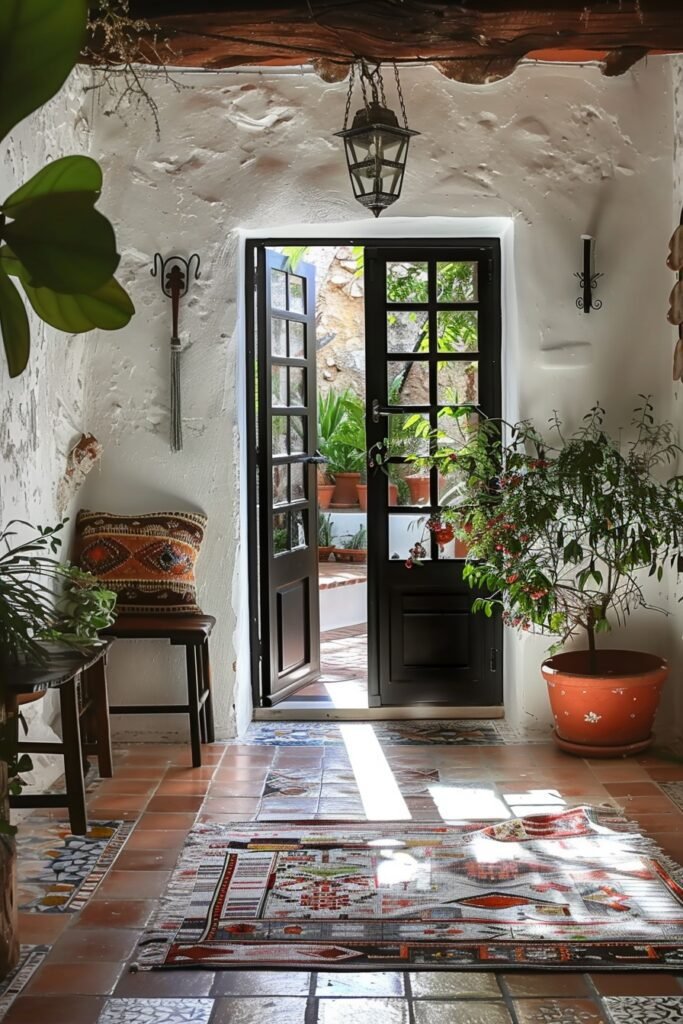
x,y
378,410
315,460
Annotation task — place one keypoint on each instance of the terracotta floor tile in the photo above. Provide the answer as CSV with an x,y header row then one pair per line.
x,y
195,787
552,984
265,1010
245,787
257,983
146,860
454,984
176,774
132,885
666,773
174,804
42,929
618,771
55,1010
227,776
464,1011
670,842
637,984
119,786
115,914
98,944
157,821
225,805
157,984
156,839
648,804
117,804
659,822
214,818
633,788
363,983
150,773
83,979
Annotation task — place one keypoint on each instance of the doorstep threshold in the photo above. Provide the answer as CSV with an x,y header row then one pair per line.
x,y
303,711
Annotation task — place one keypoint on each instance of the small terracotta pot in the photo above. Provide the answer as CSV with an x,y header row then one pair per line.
x,y
324,553
461,548
325,492
362,495
345,495
609,714
393,494
419,489
350,554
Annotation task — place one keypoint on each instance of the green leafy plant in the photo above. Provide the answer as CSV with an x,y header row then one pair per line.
x,y
357,541
563,529
341,431
325,530
53,242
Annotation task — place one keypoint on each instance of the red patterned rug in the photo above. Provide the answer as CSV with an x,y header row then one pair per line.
x,y
567,890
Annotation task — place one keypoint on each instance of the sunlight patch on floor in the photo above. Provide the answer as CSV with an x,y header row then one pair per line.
x,y
468,803
379,791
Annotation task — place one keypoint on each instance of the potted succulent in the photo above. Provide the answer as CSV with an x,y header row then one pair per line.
x,y
325,537
354,548
330,415
563,532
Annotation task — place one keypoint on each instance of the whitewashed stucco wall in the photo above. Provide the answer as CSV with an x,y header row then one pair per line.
x,y
42,412
561,150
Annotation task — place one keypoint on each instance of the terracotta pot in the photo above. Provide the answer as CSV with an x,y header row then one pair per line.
x,y
393,494
345,495
362,495
324,553
461,548
325,492
350,554
419,489
609,714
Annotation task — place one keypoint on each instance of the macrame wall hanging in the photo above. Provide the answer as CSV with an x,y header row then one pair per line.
x,y
674,261
175,273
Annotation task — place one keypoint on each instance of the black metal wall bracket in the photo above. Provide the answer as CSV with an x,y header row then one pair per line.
x,y
588,278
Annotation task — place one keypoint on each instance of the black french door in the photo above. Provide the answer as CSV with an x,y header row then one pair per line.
x,y
286,490
432,362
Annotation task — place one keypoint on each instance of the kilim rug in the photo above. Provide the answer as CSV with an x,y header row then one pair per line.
x,y
550,891
57,871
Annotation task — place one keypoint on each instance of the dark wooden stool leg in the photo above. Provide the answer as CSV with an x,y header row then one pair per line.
x,y
73,768
200,691
208,704
97,688
193,705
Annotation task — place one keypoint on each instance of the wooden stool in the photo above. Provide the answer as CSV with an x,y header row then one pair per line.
x,y
191,632
80,677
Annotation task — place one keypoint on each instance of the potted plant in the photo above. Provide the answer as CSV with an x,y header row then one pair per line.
x,y
346,451
563,532
354,547
331,412
325,537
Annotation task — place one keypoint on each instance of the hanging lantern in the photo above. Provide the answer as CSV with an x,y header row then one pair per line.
x,y
376,144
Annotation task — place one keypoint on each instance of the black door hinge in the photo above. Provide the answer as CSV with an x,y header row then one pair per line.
x,y
493,660
490,271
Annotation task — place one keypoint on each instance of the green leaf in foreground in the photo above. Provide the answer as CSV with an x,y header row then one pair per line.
x,y
68,174
16,336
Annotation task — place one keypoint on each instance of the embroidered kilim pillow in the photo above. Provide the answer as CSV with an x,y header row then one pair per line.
x,y
147,560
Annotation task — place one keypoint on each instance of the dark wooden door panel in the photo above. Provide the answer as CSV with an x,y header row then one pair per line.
x,y
432,353
287,498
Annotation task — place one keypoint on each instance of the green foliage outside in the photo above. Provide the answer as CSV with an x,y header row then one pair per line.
x,y
53,242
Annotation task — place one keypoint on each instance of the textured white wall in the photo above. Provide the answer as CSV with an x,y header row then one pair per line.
x,y
561,150
42,412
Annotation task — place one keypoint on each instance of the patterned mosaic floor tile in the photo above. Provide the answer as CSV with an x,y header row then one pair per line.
x,y
30,959
644,1009
471,732
156,1011
292,782
57,871
674,790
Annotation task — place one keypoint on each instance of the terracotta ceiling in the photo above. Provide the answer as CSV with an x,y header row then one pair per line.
x,y
474,41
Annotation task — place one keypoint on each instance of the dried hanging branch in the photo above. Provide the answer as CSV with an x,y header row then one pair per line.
x,y
120,45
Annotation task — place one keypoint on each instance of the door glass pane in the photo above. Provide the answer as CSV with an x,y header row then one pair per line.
x,y
299,529
457,383
408,383
456,282
407,331
297,473
278,289
297,340
296,294
406,534
456,331
452,485
455,427
279,385
280,533
297,390
279,430
408,433
297,434
416,491
407,282
451,549
279,485
278,336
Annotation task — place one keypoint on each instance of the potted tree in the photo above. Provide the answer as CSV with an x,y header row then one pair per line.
x,y
330,415
562,534
347,452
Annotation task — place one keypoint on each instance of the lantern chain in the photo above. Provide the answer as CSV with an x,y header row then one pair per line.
x,y
399,90
352,77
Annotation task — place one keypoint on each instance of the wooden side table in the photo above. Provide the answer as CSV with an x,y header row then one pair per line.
x,y
80,677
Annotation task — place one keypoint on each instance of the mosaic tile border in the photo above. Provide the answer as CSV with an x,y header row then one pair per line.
x,y
644,1009
30,959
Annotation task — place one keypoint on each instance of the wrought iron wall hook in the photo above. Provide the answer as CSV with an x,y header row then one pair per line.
x,y
588,278
175,273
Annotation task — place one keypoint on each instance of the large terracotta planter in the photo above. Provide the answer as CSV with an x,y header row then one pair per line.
x,y
325,492
350,554
345,494
609,714
419,489
362,490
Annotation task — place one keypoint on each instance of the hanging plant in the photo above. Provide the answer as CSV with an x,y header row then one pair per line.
x,y
53,242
